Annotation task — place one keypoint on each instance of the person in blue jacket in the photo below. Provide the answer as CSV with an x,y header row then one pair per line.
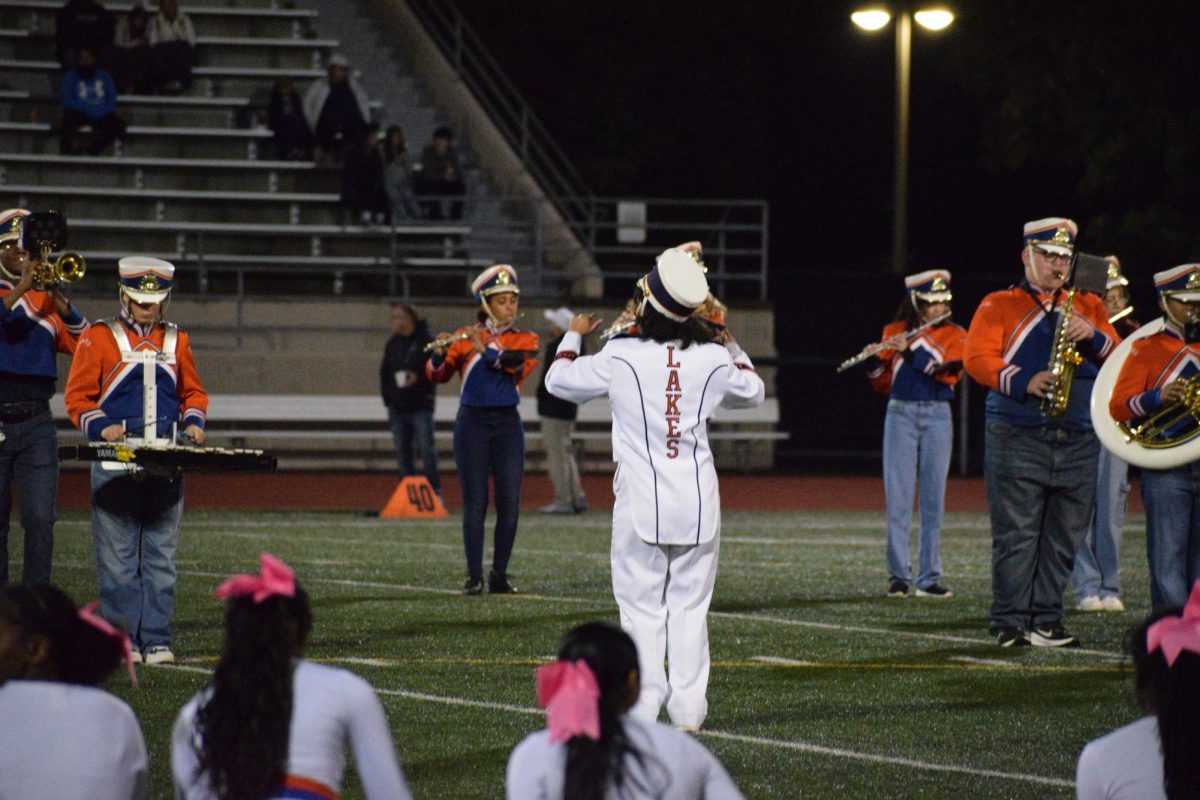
x,y
89,98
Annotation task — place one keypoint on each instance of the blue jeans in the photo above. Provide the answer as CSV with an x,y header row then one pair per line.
x,y
1172,501
412,433
917,439
29,458
135,528
1099,558
489,440
1041,483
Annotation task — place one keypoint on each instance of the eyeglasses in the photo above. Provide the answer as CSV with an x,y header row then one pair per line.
x,y
1051,256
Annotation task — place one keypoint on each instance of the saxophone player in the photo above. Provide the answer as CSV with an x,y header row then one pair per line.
x,y
1156,374
1039,470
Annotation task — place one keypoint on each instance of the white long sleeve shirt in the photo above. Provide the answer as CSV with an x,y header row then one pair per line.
x,y
673,766
662,397
330,707
61,741
1125,764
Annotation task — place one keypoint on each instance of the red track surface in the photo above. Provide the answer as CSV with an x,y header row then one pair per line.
x,y
370,491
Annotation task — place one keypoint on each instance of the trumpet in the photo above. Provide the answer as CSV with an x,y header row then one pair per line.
x,y
67,268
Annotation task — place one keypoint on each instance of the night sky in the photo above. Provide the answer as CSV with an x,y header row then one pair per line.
x,y
1020,110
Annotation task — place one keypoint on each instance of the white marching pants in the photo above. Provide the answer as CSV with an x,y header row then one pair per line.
x,y
663,593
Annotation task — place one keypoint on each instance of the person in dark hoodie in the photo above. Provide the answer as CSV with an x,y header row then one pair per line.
x,y
89,97
408,394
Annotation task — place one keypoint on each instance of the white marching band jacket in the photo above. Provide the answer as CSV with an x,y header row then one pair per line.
x,y
662,398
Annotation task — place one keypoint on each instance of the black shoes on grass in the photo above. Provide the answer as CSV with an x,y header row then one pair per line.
x,y
498,584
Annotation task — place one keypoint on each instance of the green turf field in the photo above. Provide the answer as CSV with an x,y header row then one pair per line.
x,y
821,686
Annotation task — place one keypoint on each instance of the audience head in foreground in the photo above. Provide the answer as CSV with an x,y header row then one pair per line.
x,y
591,749
1154,757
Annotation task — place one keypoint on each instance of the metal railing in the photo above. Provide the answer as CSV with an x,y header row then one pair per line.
x,y
507,108
407,262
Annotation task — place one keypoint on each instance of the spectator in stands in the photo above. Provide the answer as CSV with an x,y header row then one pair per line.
x,y
558,422
82,23
60,735
271,723
408,394
592,747
89,97
441,178
398,176
285,117
363,192
336,108
131,58
172,48
1155,756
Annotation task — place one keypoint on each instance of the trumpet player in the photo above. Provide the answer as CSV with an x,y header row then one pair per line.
x,y
1156,375
492,358
918,375
35,325
1040,471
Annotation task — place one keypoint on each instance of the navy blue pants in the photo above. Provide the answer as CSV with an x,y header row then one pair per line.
x,y
489,440
29,458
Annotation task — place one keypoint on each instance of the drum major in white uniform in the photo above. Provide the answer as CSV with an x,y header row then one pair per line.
x,y
664,385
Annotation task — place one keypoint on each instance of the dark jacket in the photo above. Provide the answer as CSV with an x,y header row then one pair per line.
x,y
406,354
549,405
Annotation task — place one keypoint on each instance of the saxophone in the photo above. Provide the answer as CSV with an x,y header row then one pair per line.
x,y
1064,358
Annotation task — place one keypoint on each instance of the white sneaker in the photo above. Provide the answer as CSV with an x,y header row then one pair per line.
x,y
1112,603
135,656
159,654
1090,603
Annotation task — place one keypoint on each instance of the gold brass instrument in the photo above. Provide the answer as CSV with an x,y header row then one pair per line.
x,y
1154,430
1064,359
67,268
1143,444
872,349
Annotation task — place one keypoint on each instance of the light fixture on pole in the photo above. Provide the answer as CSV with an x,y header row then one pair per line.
x,y
873,19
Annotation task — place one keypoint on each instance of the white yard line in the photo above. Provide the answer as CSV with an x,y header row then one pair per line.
x,y
761,741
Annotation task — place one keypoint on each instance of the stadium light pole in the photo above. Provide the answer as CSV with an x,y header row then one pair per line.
x,y
873,19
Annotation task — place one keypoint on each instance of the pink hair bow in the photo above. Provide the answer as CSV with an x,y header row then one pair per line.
x,y
274,578
569,693
88,615
1176,634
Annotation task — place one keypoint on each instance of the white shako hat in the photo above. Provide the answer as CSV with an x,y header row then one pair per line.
x,y
1052,234
676,286
1179,283
146,279
495,280
930,286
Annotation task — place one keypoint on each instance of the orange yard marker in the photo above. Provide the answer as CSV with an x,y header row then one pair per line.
x,y
414,497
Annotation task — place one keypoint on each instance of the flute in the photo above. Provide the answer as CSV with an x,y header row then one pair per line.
x,y
872,349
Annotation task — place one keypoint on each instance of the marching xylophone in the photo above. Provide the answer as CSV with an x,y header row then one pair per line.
x,y
174,456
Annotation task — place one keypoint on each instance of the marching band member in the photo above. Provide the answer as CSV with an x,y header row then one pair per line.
x,y
136,513
35,324
1040,472
1156,373
664,384
493,359
918,375
1096,575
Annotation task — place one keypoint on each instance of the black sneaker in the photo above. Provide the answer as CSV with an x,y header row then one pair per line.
x,y
474,585
498,584
1011,637
934,590
1052,635
897,588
